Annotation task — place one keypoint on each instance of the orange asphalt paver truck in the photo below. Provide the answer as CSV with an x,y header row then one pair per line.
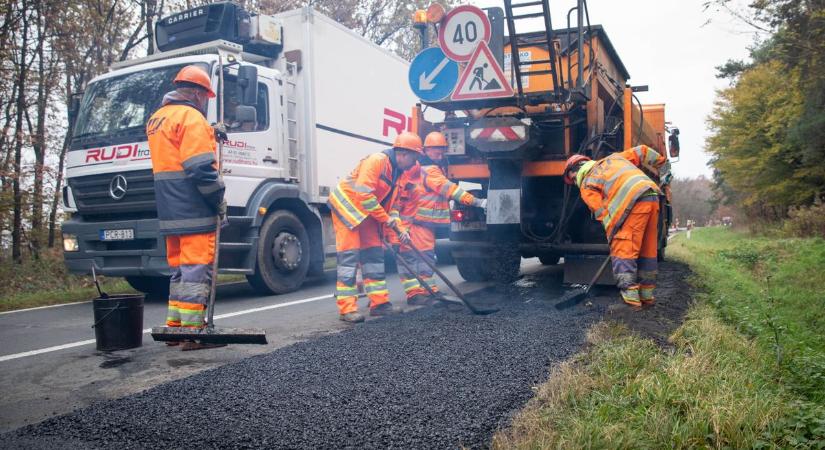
x,y
571,94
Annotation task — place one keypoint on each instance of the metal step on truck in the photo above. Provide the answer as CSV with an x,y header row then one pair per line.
x,y
305,99
526,100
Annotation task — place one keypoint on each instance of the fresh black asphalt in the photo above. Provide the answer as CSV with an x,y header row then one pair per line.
x,y
432,378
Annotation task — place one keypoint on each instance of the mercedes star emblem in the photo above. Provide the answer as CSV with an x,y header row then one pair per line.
x,y
117,187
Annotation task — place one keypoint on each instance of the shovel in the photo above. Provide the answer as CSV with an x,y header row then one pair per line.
x,y
210,334
576,296
431,265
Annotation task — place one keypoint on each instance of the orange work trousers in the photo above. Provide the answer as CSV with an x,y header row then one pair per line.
x,y
362,247
633,251
190,256
423,238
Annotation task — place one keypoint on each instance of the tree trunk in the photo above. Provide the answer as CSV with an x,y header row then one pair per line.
x,y
151,10
39,144
17,224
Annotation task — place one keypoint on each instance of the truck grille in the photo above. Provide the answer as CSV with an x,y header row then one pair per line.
x,y
93,197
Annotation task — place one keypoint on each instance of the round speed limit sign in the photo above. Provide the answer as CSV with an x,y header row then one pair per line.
x,y
462,30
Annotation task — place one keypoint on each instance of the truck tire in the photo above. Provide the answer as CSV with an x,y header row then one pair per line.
x,y
505,265
549,260
472,269
154,287
283,254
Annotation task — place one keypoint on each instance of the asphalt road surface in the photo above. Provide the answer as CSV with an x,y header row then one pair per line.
x,y
49,364
434,377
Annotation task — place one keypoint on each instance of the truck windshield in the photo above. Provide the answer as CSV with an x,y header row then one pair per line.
x,y
115,110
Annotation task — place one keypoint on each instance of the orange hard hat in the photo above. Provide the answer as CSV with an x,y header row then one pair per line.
x,y
435,139
408,141
195,75
571,162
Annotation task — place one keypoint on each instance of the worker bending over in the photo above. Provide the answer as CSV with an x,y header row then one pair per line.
x,y
626,201
189,195
431,210
359,204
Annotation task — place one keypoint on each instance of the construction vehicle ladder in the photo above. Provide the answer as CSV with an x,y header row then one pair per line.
x,y
516,63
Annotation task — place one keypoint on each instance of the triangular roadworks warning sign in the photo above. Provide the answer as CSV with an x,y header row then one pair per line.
x,y
482,78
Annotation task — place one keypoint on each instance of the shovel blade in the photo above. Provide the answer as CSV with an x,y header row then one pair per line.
x,y
572,298
210,335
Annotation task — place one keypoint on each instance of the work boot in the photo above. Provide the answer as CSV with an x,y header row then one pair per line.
x,y
352,317
648,302
384,309
420,300
188,346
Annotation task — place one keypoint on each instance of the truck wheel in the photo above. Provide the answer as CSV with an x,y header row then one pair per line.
x,y
472,269
549,260
154,287
505,265
282,261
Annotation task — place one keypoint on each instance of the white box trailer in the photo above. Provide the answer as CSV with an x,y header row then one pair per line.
x,y
327,99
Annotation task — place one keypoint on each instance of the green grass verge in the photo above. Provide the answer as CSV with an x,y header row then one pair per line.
x,y
745,370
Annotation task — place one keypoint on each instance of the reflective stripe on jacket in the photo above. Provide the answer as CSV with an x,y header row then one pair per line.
x,y
188,188
436,193
613,185
363,191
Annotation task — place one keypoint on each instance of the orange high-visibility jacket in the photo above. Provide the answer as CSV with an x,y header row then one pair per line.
x,y
188,188
613,184
434,201
406,202
363,191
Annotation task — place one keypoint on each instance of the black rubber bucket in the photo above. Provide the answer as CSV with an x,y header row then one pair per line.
x,y
118,322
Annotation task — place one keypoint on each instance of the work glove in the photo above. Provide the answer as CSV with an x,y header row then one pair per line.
x,y
220,132
402,231
480,203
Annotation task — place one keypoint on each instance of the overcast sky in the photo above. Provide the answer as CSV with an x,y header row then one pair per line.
x,y
664,44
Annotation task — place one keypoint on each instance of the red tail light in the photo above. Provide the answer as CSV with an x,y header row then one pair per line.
x,y
457,215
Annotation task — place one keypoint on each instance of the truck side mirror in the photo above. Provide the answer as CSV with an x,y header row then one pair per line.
x,y
74,108
673,140
246,116
248,85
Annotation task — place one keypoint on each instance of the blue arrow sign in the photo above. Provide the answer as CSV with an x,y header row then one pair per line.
x,y
433,76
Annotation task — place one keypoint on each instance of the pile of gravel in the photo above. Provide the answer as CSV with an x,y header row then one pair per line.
x,y
433,378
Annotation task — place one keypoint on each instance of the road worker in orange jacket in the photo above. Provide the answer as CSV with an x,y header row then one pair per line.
x,y
423,211
359,204
189,194
626,201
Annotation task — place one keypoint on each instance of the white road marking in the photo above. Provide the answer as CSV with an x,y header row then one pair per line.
x,y
148,330
44,307
89,301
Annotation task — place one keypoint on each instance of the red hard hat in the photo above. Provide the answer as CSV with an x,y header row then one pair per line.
x,y
571,162
408,141
195,75
435,139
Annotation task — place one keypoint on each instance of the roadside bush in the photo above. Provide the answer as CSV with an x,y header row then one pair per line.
x,y
806,222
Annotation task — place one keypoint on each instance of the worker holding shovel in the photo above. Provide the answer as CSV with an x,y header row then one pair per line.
x,y
189,195
359,204
626,201
423,210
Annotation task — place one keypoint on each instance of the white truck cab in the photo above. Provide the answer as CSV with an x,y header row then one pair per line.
x,y
304,98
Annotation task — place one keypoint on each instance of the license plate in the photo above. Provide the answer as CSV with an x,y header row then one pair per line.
x,y
468,226
125,234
